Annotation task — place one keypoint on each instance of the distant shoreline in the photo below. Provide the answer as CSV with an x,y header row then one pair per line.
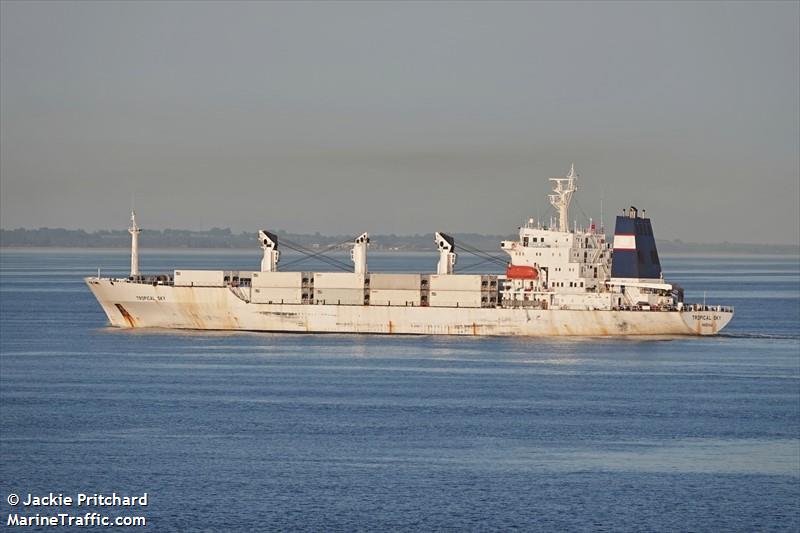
x,y
224,239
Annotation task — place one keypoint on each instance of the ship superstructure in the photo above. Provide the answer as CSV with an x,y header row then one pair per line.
x,y
558,281
579,269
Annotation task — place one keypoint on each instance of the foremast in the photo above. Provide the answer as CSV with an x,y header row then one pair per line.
x,y
134,231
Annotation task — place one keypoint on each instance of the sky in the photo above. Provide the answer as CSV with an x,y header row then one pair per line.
x,y
401,118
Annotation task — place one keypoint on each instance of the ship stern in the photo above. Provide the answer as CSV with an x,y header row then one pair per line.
x,y
706,319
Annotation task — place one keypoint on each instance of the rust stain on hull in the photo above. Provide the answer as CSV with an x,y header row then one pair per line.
x,y
126,315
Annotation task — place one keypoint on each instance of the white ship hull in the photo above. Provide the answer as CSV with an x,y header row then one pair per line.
x,y
138,305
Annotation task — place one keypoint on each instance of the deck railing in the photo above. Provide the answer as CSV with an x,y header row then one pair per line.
x,y
712,308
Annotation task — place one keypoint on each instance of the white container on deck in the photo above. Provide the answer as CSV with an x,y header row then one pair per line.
x,y
276,295
455,282
395,281
339,296
399,297
277,279
338,280
199,278
456,298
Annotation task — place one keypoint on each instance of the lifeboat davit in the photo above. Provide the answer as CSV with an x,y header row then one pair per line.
x,y
521,272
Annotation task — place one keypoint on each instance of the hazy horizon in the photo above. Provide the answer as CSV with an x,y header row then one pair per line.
x,y
400,117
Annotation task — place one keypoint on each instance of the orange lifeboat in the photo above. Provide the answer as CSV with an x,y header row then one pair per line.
x,y
521,272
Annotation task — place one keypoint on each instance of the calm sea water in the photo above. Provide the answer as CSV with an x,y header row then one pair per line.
x,y
335,432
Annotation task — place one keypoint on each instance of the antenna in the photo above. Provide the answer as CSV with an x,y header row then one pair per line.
x,y
602,194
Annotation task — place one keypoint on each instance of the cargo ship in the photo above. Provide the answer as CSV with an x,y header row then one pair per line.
x,y
558,281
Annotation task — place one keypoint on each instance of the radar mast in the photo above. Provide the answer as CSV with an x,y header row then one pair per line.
x,y
563,189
